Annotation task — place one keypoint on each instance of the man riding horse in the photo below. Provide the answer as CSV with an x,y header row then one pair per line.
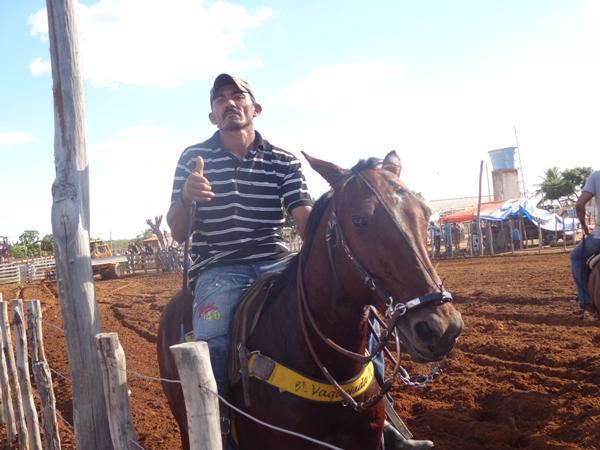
x,y
590,244
231,189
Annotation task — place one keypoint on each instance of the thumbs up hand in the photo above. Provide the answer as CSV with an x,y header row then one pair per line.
x,y
197,187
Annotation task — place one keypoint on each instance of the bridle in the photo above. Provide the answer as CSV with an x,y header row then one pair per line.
x,y
334,236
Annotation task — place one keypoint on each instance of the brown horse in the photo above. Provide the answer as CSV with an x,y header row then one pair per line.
x,y
365,245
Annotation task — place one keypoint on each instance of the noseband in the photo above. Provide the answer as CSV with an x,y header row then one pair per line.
x,y
394,310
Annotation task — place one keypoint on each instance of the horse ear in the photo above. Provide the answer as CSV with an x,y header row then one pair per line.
x,y
333,174
392,163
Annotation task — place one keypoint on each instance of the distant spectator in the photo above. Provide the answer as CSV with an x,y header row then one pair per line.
x,y
436,233
132,249
448,237
456,236
516,238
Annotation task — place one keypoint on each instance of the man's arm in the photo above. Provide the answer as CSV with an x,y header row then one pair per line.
x,y
300,215
196,188
583,199
178,219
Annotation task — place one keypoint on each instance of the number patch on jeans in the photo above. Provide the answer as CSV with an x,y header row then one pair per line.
x,y
209,312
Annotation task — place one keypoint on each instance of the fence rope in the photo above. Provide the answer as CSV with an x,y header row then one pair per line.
x,y
65,421
54,326
64,377
243,413
131,441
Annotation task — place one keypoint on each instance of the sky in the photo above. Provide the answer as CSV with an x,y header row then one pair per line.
x,y
440,82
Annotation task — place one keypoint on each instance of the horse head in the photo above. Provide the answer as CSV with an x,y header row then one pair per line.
x,y
376,240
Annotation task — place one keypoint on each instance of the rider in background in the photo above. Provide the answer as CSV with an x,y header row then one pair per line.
x,y
590,243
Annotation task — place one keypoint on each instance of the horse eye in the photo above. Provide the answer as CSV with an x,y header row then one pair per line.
x,y
359,222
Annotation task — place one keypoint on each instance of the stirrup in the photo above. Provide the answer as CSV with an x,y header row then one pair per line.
x,y
393,440
394,419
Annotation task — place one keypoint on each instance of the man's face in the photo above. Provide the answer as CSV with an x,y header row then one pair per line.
x,y
233,109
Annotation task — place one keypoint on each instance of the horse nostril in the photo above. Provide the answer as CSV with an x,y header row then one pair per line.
x,y
424,332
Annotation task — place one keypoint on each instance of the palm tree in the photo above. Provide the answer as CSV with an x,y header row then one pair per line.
x,y
562,186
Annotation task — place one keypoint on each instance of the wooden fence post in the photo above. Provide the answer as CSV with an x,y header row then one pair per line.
x,y
470,237
116,392
523,230
197,379
70,228
539,236
42,376
490,237
564,230
510,238
7,404
2,397
31,418
9,356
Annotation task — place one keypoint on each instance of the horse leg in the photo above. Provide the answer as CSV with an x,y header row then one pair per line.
x,y
168,334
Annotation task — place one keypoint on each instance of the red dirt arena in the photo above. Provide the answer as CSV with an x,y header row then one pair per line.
x,y
525,373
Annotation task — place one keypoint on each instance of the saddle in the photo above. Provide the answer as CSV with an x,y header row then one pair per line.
x,y
243,364
246,317
593,260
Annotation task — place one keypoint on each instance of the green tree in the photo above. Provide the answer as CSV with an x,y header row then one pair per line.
x,y
576,177
143,235
17,251
563,186
47,244
30,240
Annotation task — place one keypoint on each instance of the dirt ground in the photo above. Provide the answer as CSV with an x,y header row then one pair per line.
x,y
524,374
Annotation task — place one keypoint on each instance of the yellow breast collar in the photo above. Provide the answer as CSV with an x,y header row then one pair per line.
x,y
288,380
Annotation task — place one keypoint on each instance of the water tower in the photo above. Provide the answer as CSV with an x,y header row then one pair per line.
x,y
505,173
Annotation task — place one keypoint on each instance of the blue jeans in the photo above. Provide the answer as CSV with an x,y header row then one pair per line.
x,y
579,256
216,295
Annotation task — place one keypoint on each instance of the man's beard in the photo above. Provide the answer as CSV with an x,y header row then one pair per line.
x,y
235,126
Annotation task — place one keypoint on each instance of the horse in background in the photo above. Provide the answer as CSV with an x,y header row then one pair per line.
x,y
365,245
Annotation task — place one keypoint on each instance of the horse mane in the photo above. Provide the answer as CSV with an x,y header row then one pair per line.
x,y
311,228
313,222
365,164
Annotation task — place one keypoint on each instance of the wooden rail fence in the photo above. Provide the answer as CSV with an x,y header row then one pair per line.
x,y
25,271
17,406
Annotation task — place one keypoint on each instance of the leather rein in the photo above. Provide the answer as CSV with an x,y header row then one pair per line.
x,y
394,312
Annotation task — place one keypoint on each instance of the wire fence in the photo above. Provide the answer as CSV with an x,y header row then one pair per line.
x,y
221,399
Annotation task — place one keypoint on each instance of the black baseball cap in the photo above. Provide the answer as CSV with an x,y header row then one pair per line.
x,y
225,79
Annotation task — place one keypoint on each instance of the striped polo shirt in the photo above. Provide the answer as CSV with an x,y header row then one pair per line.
x,y
242,222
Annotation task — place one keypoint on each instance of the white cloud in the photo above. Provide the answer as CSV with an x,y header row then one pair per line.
x,y
15,138
130,181
344,85
442,128
40,67
159,43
